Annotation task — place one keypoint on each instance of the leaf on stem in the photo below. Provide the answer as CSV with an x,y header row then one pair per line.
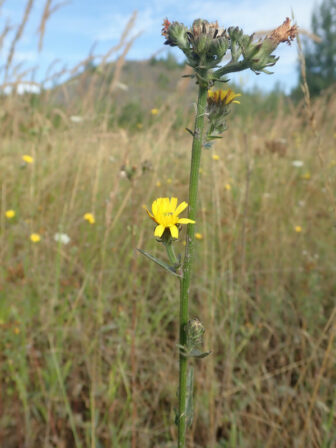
x,y
161,263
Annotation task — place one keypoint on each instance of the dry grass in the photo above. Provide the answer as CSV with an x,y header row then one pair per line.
x,y
88,330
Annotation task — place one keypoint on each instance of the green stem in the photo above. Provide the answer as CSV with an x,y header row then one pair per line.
x,y
171,253
185,282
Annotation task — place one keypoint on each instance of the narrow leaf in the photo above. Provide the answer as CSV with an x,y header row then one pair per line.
x,y
161,263
213,137
190,131
189,398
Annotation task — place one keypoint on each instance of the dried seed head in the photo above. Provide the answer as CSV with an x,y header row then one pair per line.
x,y
284,32
166,24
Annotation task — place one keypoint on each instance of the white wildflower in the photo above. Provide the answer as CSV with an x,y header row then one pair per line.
x,y
297,163
76,119
62,238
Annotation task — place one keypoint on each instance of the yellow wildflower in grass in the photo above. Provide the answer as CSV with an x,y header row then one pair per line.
x,y
223,97
17,330
10,214
35,238
198,236
154,111
158,183
165,214
89,217
169,180
227,187
215,157
298,229
28,159
306,176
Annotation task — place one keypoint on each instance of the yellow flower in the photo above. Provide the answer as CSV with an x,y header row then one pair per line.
x,y
198,236
154,111
27,159
165,213
227,187
10,214
298,229
158,183
222,97
17,330
169,180
306,175
35,238
215,157
89,217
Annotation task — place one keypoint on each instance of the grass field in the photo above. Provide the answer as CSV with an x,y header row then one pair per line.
x,y
88,329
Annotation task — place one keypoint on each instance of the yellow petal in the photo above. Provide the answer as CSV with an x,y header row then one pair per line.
x,y
173,204
174,231
180,208
186,221
165,205
149,213
159,230
155,207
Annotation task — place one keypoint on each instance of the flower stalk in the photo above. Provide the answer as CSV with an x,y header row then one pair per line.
x,y
188,258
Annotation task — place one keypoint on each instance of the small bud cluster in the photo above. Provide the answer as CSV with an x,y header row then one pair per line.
x,y
195,332
205,44
218,107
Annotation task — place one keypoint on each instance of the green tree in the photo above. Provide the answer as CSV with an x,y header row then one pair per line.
x,y
321,57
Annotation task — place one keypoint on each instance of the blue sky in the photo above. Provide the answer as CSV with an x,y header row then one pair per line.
x,y
74,28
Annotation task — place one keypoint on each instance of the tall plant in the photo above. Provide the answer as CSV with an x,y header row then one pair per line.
x,y
204,45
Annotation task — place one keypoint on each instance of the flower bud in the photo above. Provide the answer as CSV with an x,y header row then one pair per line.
x,y
218,47
176,35
195,331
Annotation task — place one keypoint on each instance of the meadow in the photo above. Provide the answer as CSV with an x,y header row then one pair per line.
x,y
89,327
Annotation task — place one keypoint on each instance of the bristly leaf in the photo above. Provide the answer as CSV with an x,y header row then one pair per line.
x,y
190,132
161,263
192,353
213,137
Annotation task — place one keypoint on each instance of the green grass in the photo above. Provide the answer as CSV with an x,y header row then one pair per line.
x,y
88,330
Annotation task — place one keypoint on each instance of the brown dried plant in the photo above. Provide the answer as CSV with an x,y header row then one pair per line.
x,y
48,11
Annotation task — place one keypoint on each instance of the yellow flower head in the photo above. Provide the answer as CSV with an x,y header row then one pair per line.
x,y
35,238
198,236
222,97
10,214
27,159
298,229
215,157
165,214
306,175
154,111
89,217
227,187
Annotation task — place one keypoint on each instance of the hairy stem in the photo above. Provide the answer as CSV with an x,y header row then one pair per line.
x,y
185,282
